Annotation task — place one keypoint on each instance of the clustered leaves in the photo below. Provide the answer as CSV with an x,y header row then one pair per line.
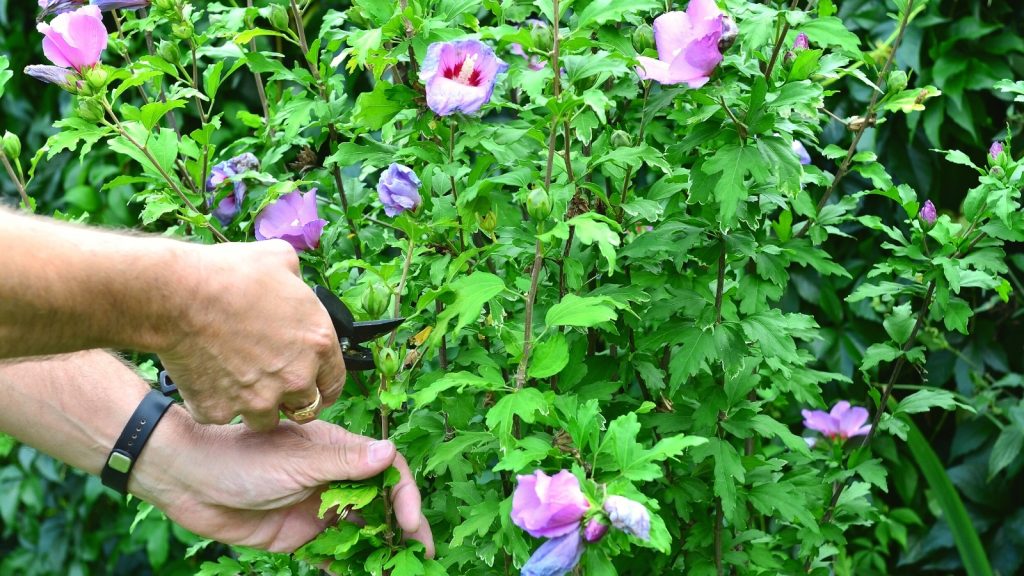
x,y
590,214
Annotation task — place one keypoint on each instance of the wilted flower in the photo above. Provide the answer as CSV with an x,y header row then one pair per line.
x,y
398,190
802,42
459,76
50,74
629,516
75,39
294,219
229,206
549,506
996,149
687,45
556,556
801,152
595,530
842,422
928,213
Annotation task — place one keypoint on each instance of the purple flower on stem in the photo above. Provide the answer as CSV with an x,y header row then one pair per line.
x,y
595,530
549,506
398,190
108,5
687,43
51,74
75,39
459,76
555,557
802,42
801,152
49,8
629,516
229,206
294,219
842,422
928,213
995,150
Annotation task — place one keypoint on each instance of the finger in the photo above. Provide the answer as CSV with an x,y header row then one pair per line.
x,y
406,497
351,460
262,421
208,416
330,378
423,535
304,410
283,252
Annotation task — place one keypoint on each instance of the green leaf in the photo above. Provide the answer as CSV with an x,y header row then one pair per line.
x,y
342,496
698,348
405,563
526,404
460,380
1006,449
770,330
375,109
729,471
622,454
925,400
479,520
600,11
972,553
582,311
549,357
471,293
734,162
900,323
593,228
830,31
878,353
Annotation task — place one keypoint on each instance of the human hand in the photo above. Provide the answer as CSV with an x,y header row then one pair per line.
x,y
263,489
253,338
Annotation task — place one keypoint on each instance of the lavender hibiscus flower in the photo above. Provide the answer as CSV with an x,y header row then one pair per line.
x,y
294,219
224,172
928,214
801,152
75,39
459,76
629,516
687,44
555,557
843,421
549,506
398,190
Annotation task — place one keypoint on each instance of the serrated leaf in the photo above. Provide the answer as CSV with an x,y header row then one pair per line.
x,y
549,357
582,311
343,496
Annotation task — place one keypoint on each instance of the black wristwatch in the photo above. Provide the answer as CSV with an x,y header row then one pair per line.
x,y
133,438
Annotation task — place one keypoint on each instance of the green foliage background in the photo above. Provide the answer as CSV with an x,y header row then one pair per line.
x,y
57,521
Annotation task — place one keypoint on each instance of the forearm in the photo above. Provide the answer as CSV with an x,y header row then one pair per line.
x,y
74,406
65,288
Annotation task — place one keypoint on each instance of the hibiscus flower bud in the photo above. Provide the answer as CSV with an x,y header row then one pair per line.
x,y
801,42
169,52
91,110
621,139
488,222
927,214
541,36
555,557
97,78
730,31
62,77
595,530
375,300
398,190
549,506
538,204
12,145
388,362
643,38
995,150
897,81
279,17
183,30
629,516
294,219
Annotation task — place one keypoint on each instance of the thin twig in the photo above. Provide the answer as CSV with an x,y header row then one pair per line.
x,y
778,43
531,298
719,293
16,179
259,80
401,288
869,120
452,126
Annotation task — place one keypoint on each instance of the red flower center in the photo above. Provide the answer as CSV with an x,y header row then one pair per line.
x,y
465,72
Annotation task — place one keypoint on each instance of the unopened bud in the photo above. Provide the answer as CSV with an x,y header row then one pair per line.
x,y
169,52
643,38
97,78
89,109
801,42
621,139
995,150
183,30
488,222
388,362
897,81
278,17
375,300
928,214
12,145
542,38
538,204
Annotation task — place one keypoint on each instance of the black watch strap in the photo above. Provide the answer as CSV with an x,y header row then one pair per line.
x,y
133,438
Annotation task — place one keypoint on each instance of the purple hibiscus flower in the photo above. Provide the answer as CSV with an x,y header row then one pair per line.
x,y
802,42
459,76
50,74
995,150
629,516
75,39
398,190
843,421
294,219
555,557
801,152
223,173
549,506
687,44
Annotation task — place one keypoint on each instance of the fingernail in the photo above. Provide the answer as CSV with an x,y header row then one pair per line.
x,y
381,451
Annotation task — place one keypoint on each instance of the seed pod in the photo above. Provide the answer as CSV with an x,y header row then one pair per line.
x,y
538,204
375,300
12,145
643,38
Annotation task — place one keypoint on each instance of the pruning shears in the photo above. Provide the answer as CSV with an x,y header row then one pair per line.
x,y
351,336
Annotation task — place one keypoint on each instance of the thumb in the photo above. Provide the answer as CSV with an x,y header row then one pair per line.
x,y
354,460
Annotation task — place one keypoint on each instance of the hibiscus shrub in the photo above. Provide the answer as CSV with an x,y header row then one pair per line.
x,y
589,213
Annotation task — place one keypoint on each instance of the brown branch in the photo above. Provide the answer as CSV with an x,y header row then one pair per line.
x,y
259,81
778,43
